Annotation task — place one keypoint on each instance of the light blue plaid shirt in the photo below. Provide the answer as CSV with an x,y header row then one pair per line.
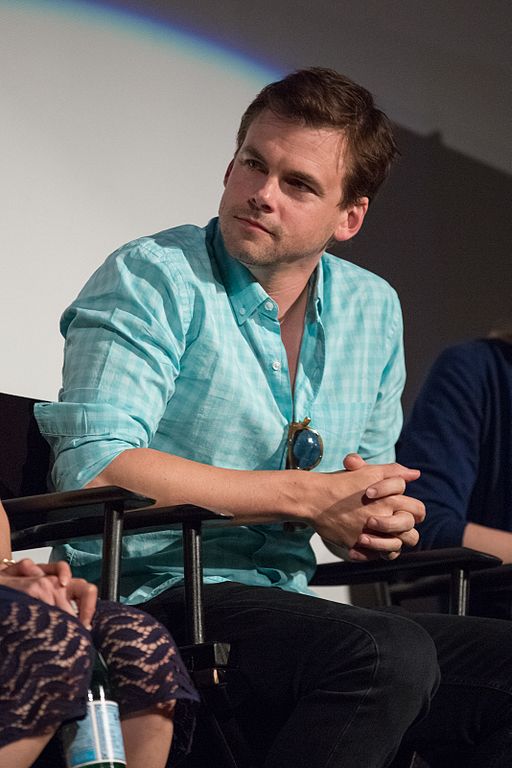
x,y
172,344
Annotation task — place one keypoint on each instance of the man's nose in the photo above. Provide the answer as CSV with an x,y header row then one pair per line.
x,y
264,196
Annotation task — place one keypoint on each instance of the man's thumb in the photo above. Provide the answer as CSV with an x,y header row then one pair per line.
x,y
353,461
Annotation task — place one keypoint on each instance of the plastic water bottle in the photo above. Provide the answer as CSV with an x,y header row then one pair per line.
x,y
97,739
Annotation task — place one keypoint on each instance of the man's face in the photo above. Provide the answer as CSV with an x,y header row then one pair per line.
x,y
281,203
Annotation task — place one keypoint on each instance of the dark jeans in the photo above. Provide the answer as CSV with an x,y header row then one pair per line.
x,y
317,684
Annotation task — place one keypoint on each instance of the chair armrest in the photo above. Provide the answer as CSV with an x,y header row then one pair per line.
x,y
53,518
48,519
488,579
413,565
26,508
156,518
495,579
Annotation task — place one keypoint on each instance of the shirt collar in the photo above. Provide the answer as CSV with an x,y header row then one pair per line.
x,y
245,293
243,290
317,290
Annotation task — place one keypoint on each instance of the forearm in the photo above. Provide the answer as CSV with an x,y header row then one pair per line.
x,y
490,540
333,504
252,496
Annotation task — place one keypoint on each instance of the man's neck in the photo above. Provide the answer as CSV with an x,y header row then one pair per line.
x,y
286,287
288,298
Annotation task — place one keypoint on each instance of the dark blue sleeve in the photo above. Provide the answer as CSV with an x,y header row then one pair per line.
x,y
442,439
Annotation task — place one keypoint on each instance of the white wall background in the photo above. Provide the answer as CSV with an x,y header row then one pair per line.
x,y
115,126
111,128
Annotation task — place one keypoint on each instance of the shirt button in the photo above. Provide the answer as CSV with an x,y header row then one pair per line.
x,y
241,311
269,305
276,365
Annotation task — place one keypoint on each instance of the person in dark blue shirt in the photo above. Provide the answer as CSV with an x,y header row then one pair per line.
x,y
459,434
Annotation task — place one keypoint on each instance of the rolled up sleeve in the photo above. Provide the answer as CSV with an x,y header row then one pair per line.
x,y
84,438
125,334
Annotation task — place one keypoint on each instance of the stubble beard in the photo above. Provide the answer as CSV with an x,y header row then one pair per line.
x,y
247,249
255,252
251,254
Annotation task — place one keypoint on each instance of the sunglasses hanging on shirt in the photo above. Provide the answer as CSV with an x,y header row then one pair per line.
x,y
305,446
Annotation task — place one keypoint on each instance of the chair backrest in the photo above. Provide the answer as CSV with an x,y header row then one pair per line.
x,y
24,453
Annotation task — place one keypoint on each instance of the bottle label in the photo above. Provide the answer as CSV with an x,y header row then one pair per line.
x,y
96,740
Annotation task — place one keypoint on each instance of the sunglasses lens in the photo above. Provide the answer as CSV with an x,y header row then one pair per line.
x,y
306,449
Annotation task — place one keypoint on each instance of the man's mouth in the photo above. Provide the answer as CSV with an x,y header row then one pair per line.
x,y
253,223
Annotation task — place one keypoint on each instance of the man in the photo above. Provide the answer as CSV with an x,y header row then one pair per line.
x,y
195,362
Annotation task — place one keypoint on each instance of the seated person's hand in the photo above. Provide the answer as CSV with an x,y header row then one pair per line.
x,y
384,535
54,584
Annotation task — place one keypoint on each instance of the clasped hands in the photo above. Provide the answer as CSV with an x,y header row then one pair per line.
x,y
377,519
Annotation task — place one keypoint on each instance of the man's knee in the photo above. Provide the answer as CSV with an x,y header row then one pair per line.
x,y
408,662
384,652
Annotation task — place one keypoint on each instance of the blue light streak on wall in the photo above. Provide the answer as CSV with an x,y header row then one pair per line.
x,y
117,125
143,22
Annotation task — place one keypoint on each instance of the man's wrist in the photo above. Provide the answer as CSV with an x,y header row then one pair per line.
x,y
293,494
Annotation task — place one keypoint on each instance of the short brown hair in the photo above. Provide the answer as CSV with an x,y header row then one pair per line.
x,y
319,98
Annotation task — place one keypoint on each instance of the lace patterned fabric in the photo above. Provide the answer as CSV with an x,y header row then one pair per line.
x,y
145,668
46,661
45,664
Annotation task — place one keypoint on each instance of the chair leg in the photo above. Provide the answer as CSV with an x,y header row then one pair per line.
x,y
217,743
111,553
459,592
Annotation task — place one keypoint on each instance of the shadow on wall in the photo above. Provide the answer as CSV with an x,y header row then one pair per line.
x,y
440,232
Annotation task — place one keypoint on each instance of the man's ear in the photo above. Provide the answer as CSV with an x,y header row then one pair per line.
x,y
351,219
228,171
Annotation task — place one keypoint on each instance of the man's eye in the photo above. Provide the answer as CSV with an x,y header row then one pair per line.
x,y
252,164
300,185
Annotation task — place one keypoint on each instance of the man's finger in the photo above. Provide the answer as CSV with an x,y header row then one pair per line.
x,y
395,469
391,524
396,505
410,538
353,461
379,543
362,554
406,533
390,486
